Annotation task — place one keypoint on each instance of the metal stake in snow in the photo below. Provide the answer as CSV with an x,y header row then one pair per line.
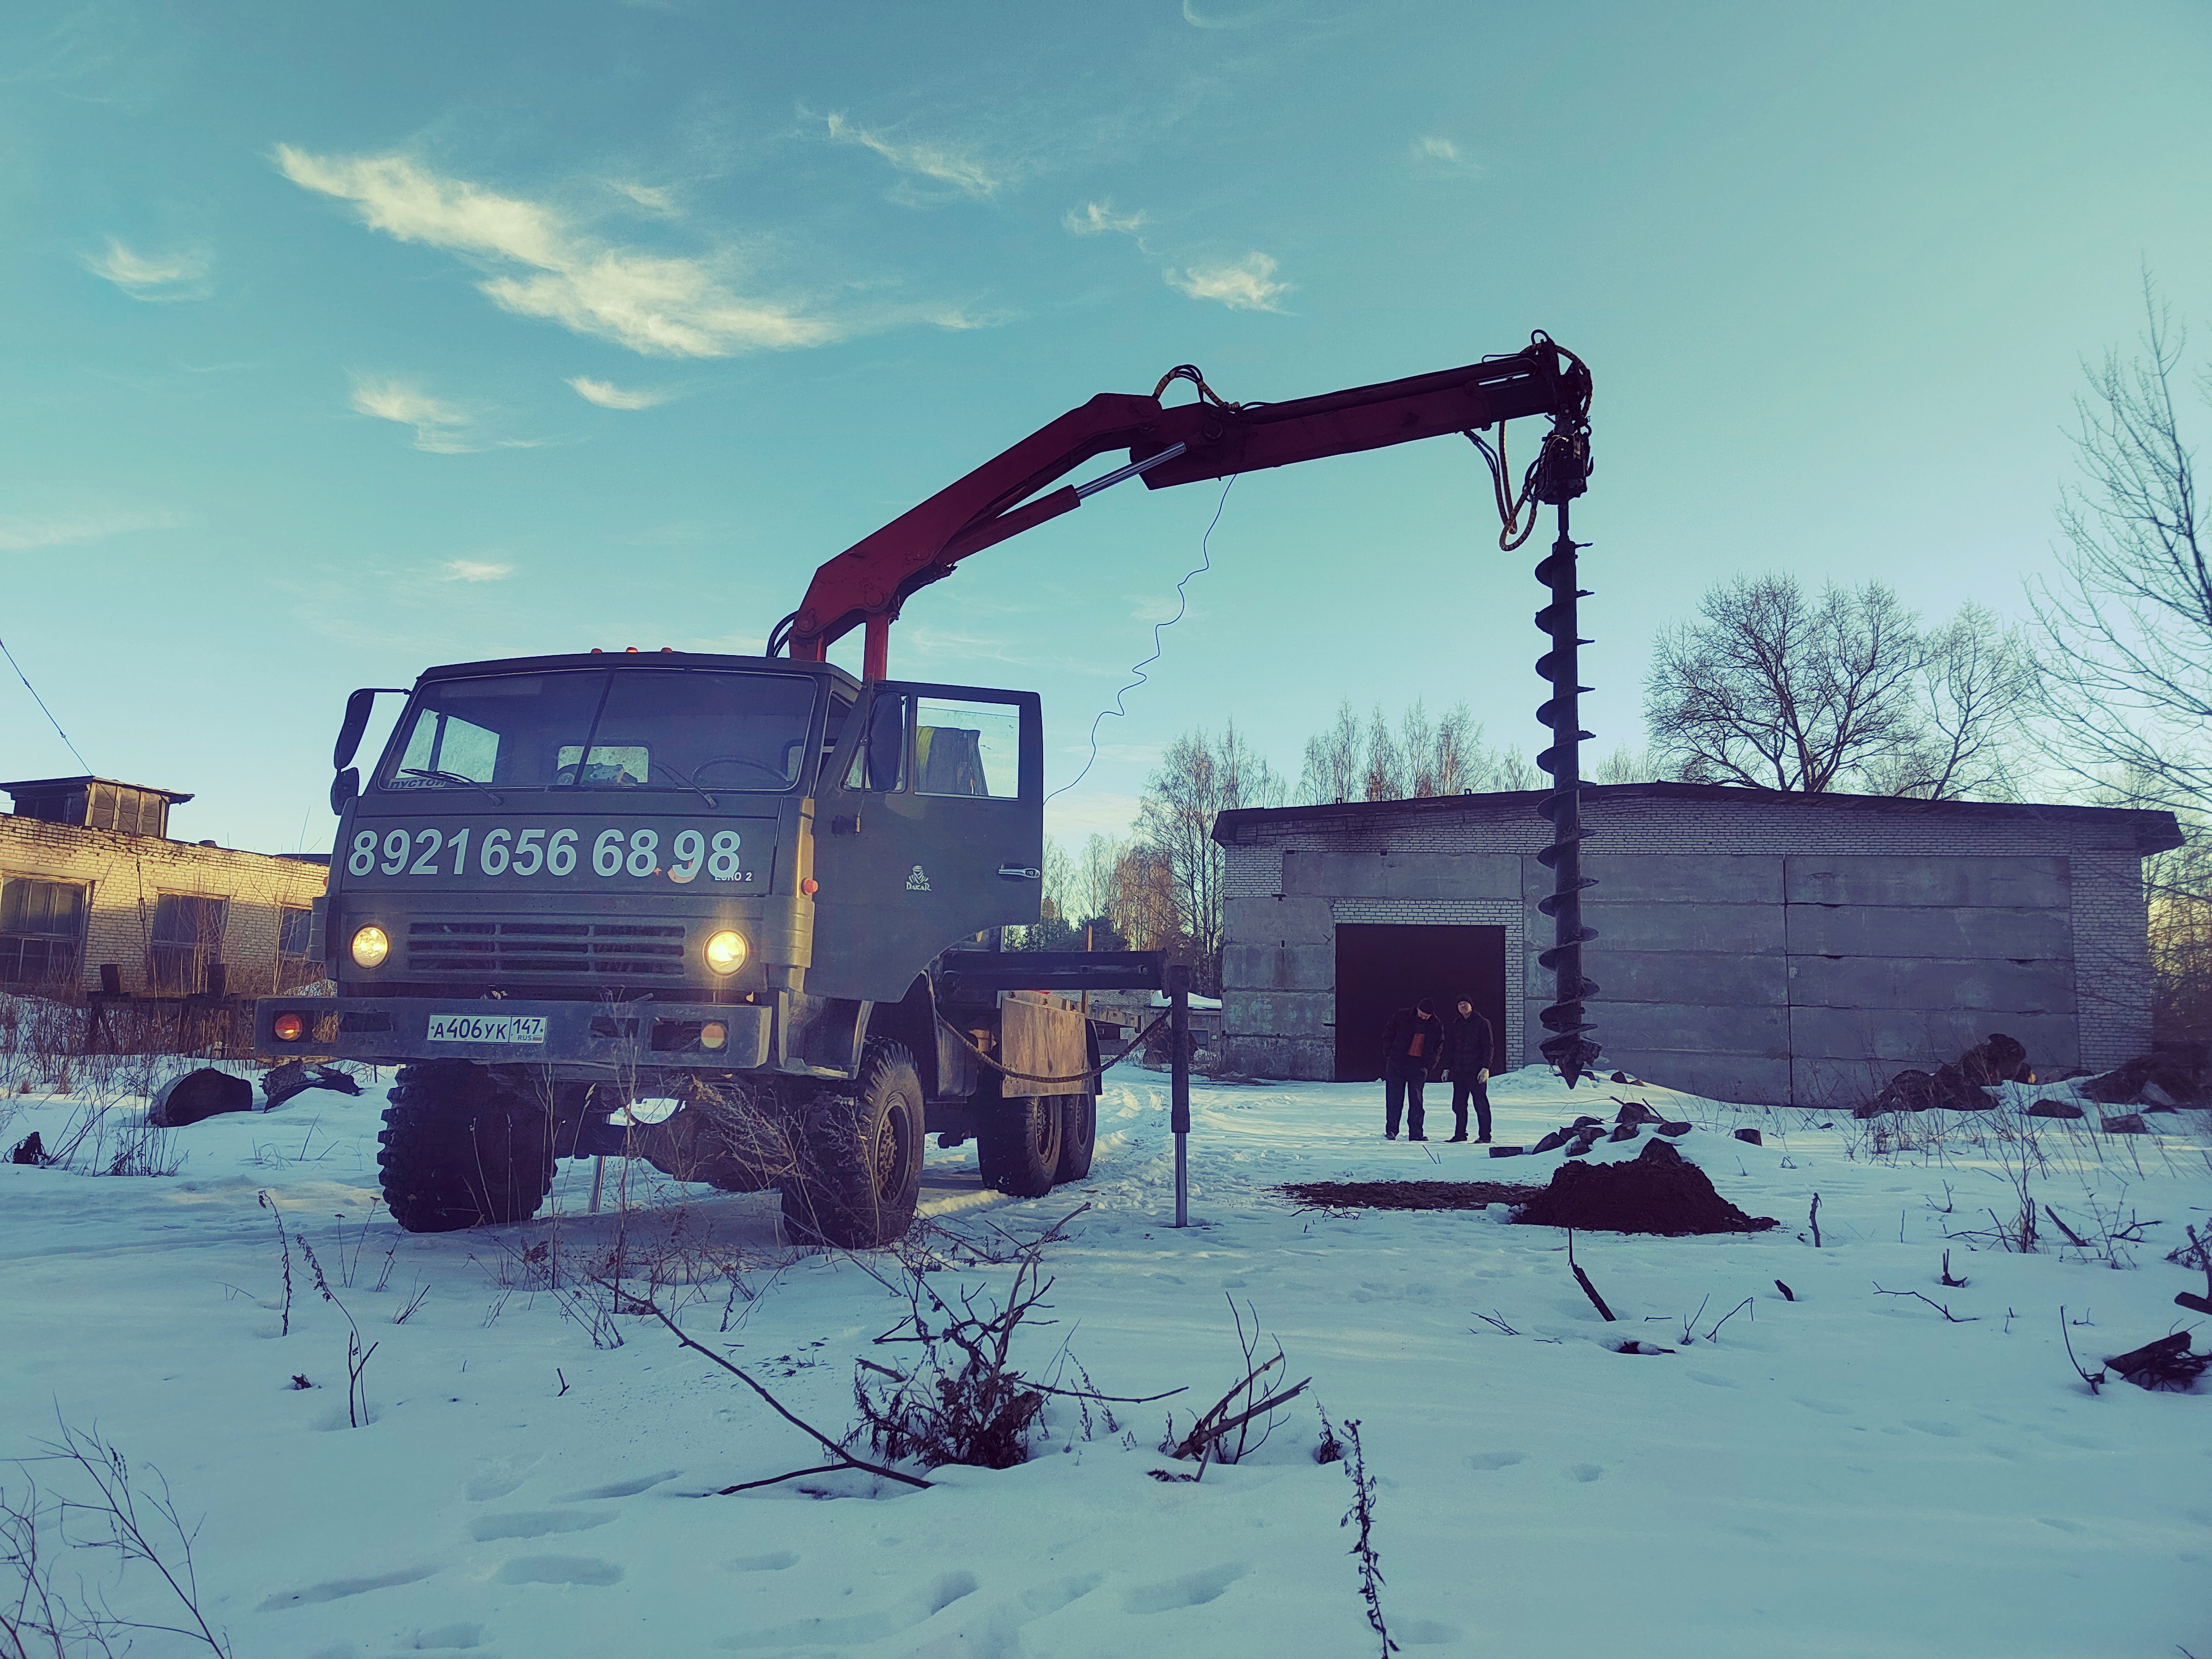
x,y
1179,1084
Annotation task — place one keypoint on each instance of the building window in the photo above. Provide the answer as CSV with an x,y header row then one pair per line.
x,y
41,926
294,966
187,936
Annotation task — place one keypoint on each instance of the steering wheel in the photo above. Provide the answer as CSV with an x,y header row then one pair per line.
x,y
782,781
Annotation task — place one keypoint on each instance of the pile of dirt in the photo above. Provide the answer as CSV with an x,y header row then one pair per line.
x,y
1658,1191
1405,1194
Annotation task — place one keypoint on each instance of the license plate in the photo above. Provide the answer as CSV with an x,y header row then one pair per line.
x,y
487,1028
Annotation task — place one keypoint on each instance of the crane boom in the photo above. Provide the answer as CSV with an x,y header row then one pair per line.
x,y
866,584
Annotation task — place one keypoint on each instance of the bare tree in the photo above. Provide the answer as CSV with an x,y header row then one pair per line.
x,y
1332,771
1198,779
1775,690
1061,882
1097,876
1625,765
1447,757
1976,679
2127,624
1145,911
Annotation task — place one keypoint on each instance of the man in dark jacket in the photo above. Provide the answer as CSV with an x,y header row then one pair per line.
x,y
1466,1051
1412,1052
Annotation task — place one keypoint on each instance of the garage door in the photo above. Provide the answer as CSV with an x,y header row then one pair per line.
x,y
1380,968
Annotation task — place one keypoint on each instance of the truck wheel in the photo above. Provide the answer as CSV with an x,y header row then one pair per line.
x,y
455,1152
1078,1133
1018,1146
860,1160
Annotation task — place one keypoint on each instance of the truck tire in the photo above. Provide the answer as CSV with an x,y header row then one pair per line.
x,y
1079,1134
860,1175
457,1151
1018,1146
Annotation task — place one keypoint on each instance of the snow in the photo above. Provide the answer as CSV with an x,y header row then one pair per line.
x,y
1849,1473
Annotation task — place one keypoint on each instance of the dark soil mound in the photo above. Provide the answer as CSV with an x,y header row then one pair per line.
x,y
1659,1191
1406,1195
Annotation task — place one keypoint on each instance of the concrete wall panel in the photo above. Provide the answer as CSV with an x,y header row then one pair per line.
x,y
1899,931
1976,882
1279,1014
1271,967
1281,1057
2036,987
1754,1080
1732,929
1684,1026
1671,878
1926,1039
1707,978
1292,919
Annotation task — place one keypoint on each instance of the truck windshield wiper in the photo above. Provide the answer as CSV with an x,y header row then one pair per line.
x,y
439,776
692,787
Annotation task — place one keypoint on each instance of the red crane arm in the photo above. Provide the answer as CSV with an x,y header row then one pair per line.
x,y
867,583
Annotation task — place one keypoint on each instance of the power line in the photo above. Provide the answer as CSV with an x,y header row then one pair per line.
x,y
41,701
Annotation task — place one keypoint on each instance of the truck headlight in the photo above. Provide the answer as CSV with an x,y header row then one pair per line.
x,y
370,946
726,951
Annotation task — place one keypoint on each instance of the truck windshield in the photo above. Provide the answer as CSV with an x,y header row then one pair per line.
x,y
701,730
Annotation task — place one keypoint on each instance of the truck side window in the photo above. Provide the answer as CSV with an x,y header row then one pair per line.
x,y
880,761
967,748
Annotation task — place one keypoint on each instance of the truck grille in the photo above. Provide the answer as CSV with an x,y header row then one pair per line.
x,y
552,950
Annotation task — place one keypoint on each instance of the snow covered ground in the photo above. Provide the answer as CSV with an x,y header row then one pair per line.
x,y
1848,1474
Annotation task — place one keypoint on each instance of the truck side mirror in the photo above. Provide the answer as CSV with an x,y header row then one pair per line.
x,y
356,722
343,788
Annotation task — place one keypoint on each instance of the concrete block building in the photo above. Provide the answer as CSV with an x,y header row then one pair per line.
x,y
89,876
1762,947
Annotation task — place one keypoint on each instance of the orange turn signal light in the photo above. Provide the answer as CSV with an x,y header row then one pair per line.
x,y
288,1028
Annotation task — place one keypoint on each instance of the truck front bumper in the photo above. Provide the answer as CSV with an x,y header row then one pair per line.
x,y
617,1038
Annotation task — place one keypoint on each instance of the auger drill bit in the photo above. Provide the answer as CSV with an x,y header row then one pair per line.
x,y
1563,473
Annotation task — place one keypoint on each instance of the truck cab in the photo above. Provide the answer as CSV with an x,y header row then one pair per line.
x,y
573,884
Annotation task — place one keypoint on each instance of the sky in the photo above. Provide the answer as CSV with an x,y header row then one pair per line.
x,y
340,341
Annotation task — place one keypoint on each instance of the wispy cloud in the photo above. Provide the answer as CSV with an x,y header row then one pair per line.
x,y
1198,20
160,276
1250,284
652,197
655,304
440,428
1439,157
1096,218
475,571
25,535
942,162
609,396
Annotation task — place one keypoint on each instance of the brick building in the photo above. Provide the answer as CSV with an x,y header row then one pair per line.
x,y
1762,947
88,876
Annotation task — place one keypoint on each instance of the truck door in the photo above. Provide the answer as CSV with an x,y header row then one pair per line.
x,y
928,828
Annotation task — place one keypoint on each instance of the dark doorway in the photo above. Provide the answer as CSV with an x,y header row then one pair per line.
x,y
1382,968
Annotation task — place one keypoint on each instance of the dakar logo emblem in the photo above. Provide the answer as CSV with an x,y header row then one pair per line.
x,y
918,882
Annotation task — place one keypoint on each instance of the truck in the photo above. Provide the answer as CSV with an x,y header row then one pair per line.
x,y
737,915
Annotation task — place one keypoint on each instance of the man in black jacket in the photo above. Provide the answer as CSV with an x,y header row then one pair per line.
x,y
1466,1051
1412,1052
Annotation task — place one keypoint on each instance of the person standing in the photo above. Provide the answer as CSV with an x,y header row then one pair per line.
x,y
1412,1052
1467,1053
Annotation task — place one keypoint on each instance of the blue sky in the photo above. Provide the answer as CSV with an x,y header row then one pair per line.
x,y
342,340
